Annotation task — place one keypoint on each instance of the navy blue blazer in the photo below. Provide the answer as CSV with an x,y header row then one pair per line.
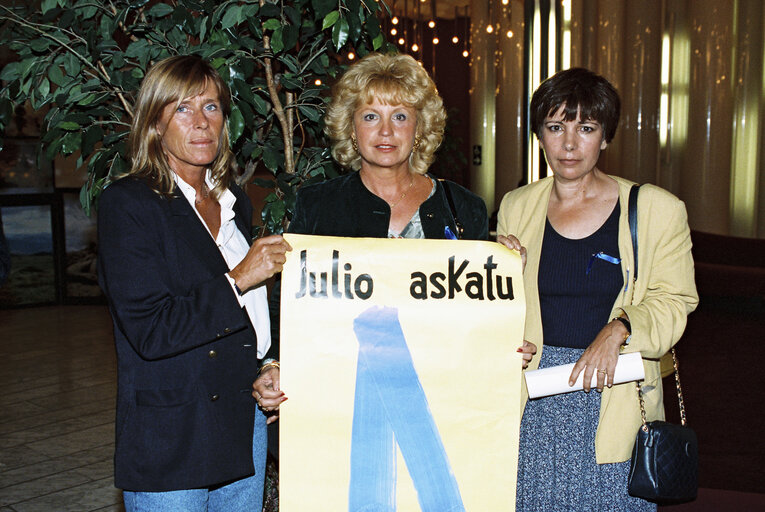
x,y
186,350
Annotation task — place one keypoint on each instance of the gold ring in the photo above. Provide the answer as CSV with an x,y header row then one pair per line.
x,y
603,371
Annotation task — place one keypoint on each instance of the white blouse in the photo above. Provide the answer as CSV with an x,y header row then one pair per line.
x,y
233,247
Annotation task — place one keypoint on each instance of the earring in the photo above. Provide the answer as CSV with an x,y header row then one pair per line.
x,y
354,144
417,141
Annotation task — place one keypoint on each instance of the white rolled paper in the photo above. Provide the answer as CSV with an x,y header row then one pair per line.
x,y
554,380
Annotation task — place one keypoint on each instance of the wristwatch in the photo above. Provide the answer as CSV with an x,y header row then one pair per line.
x,y
626,323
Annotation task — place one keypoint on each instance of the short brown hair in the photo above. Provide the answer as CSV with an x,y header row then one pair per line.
x,y
583,93
395,79
171,81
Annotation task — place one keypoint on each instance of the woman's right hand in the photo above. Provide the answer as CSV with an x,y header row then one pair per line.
x,y
265,258
511,242
268,395
528,350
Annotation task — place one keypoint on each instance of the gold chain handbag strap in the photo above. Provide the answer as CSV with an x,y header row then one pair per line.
x,y
683,422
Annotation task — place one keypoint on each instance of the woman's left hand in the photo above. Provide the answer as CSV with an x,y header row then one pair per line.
x,y
511,242
601,357
267,393
528,350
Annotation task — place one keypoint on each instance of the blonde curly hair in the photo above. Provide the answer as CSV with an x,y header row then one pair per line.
x,y
394,79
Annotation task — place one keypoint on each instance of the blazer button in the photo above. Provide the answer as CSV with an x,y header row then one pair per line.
x,y
429,215
211,354
226,330
214,397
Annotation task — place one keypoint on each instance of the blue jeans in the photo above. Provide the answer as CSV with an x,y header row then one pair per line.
x,y
245,495
391,408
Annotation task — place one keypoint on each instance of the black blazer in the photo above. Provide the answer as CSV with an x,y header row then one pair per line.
x,y
343,206
186,350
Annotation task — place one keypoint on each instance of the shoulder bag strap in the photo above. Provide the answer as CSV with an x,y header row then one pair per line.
x,y
450,199
632,216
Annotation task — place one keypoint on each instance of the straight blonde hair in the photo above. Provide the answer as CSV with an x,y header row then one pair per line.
x,y
171,81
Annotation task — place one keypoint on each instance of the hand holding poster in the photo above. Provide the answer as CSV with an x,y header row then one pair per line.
x,y
399,359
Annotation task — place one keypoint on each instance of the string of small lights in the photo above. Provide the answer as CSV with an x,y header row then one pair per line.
x,y
409,28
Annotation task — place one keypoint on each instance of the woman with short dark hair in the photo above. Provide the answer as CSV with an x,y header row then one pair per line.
x,y
582,304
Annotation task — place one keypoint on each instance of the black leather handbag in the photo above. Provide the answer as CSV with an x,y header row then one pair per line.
x,y
665,460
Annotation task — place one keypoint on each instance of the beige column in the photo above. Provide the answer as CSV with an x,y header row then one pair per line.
x,y
674,130
640,92
482,104
510,105
761,144
746,200
609,62
705,175
581,35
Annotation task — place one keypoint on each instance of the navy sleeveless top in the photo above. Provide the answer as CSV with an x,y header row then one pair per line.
x,y
579,281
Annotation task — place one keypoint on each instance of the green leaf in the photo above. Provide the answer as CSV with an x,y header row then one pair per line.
x,y
340,34
137,49
235,124
250,10
93,135
291,82
72,65
88,12
43,89
244,91
55,75
290,34
69,125
160,10
272,24
232,17
71,142
10,72
113,137
272,159
277,44
87,100
311,113
203,29
269,184
85,199
47,5
118,60
39,45
378,41
330,19
262,106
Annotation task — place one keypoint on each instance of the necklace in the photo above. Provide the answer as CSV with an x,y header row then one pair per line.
x,y
205,194
404,193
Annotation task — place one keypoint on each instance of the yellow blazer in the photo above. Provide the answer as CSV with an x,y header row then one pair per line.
x,y
657,304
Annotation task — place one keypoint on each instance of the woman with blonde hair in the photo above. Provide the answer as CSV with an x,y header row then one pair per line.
x,y
186,294
386,121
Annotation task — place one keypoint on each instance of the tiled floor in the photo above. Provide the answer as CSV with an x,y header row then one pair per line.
x,y
57,391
